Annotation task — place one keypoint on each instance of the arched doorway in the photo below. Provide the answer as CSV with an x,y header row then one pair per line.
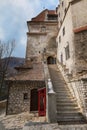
x,y
51,60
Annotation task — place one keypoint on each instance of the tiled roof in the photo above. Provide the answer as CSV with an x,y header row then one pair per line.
x,y
34,74
51,12
42,15
80,29
26,65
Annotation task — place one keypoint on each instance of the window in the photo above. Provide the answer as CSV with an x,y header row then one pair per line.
x,y
61,22
59,39
67,52
52,17
59,14
61,58
44,50
43,29
25,96
62,3
63,31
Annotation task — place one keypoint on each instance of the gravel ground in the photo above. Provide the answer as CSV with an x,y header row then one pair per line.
x,y
17,121
26,121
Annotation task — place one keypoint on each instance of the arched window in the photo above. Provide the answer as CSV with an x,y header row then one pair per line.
x,y
51,60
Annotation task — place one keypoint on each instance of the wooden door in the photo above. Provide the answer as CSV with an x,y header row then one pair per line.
x,y
34,100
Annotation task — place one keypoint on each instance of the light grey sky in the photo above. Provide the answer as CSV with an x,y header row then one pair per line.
x,y
13,17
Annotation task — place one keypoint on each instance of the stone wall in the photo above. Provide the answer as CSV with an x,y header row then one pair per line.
x,y
79,13
80,92
80,43
16,102
66,40
78,88
39,41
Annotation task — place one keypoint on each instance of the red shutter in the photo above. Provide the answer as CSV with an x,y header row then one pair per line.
x,y
42,102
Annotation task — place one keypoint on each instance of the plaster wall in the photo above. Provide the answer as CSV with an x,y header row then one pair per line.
x,y
67,39
79,13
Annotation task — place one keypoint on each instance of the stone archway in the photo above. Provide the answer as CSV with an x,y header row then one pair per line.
x,y
51,60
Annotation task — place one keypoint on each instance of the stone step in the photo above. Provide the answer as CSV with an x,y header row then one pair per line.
x,y
65,98
69,117
69,114
61,90
60,86
63,95
68,108
66,104
71,120
68,111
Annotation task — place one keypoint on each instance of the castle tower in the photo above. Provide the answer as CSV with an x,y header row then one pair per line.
x,y
41,37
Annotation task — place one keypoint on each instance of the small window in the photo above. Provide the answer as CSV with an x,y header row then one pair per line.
x,y
59,39
61,22
67,52
52,17
44,50
25,96
31,59
43,29
59,14
62,3
63,31
61,58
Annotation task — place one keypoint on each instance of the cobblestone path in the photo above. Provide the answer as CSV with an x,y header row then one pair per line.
x,y
24,122
54,127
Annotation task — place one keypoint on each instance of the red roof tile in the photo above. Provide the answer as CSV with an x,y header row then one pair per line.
x,y
35,74
51,12
41,16
80,29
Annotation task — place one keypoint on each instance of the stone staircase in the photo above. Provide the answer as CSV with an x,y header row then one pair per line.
x,y
68,111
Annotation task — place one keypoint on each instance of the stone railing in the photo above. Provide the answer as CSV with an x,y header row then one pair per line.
x,y
50,97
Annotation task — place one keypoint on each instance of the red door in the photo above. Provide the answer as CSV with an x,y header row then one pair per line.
x,y
42,102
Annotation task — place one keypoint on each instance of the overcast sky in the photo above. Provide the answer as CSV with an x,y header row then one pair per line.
x,y
13,17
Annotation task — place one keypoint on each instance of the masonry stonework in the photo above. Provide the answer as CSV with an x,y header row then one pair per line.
x,y
16,101
45,31
80,44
